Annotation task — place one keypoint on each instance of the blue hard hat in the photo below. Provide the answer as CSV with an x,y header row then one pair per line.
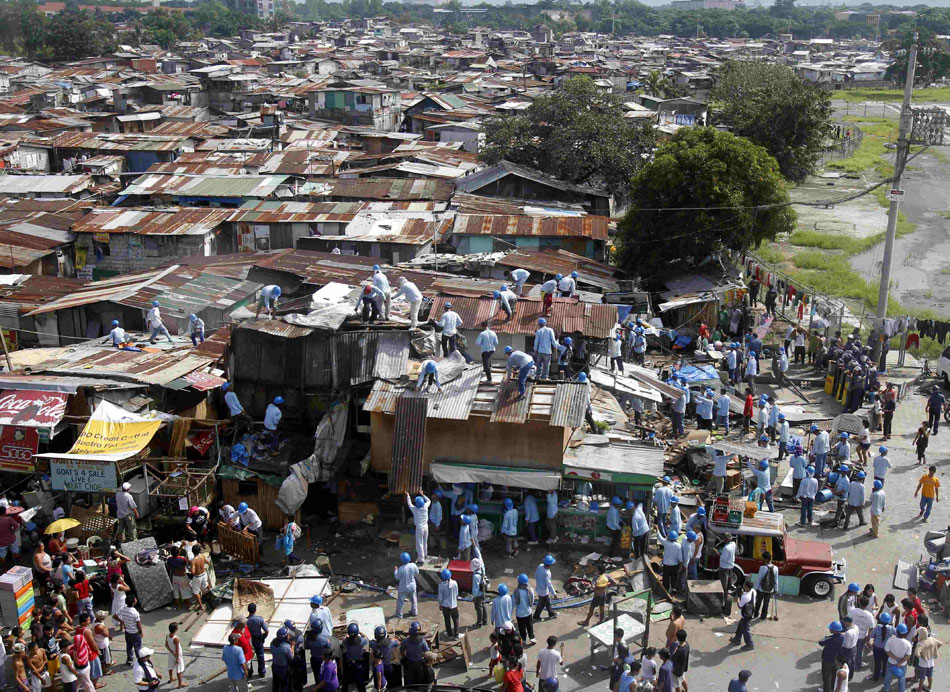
x,y
379,632
549,560
466,519
763,464
675,499
508,349
542,321
853,587
672,536
781,416
352,629
414,627
582,378
502,590
666,479
615,500
289,624
496,294
878,485
115,323
419,501
844,468
568,341
832,477
558,276
405,558
844,436
763,438
375,267
155,303
242,508
629,505
573,275
810,470
522,578
814,428
445,574
430,366
882,449
752,354
509,503
226,386
861,475
835,626
448,306
474,508
884,618
316,600
438,492
503,287
701,511
278,400
902,628
193,317
276,290
690,535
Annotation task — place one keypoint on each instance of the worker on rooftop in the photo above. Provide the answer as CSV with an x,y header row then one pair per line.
x,y
568,285
370,300
154,322
382,283
547,293
268,300
507,300
413,295
196,328
118,335
519,276
428,376
487,342
523,363
544,342
450,323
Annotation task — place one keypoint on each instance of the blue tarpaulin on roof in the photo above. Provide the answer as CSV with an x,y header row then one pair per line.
x,y
697,373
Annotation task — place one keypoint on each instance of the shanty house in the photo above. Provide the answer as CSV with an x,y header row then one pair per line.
x,y
578,233
273,225
116,240
379,108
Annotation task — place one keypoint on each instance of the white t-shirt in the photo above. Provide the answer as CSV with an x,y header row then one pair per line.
x,y
549,659
64,673
648,668
896,649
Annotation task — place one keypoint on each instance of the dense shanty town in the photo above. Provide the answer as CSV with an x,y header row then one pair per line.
x,y
312,377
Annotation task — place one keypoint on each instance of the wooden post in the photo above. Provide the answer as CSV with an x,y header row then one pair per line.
x,y
6,353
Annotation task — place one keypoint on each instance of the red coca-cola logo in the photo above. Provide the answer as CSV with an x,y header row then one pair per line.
x,y
45,408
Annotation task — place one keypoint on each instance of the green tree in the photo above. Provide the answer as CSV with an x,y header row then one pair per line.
x,y
166,28
578,133
933,60
722,187
773,107
76,34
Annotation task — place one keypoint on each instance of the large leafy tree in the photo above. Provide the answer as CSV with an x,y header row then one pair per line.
x,y
578,133
75,34
773,107
167,27
933,60
705,192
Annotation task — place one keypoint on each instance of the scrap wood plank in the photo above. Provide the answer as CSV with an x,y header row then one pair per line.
x,y
511,407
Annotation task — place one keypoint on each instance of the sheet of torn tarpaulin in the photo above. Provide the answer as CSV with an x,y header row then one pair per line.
x,y
329,308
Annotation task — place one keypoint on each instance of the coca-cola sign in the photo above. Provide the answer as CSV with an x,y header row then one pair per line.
x,y
31,408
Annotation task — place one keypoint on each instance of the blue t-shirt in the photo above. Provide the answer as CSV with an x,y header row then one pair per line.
x,y
233,657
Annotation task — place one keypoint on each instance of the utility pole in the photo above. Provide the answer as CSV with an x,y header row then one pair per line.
x,y
900,159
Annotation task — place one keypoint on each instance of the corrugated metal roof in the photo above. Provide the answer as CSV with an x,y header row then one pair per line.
x,y
271,211
354,356
409,433
567,316
101,141
570,404
510,406
393,189
392,354
277,328
151,368
553,262
594,227
46,184
175,221
205,186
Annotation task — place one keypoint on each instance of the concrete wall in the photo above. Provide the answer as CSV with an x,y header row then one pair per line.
x,y
532,445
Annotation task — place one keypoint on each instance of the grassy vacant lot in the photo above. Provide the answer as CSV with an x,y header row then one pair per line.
x,y
921,95
877,133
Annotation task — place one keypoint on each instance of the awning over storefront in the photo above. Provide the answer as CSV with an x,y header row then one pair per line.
x,y
498,475
629,464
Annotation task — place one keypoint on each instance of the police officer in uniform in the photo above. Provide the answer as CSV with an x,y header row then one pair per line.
x,y
257,626
353,653
317,642
413,649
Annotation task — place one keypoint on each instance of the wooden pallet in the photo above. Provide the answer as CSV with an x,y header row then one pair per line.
x,y
241,545
93,523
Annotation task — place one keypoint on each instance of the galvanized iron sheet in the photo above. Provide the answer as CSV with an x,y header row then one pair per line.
x,y
570,404
511,407
408,441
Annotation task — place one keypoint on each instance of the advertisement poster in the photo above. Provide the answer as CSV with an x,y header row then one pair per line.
x,y
112,434
32,408
83,476
17,447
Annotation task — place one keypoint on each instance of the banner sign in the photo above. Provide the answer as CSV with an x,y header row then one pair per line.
x,y
31,408
17,447
83,476
112,434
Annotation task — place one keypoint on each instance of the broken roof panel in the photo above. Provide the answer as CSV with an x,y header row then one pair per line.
x,y
174,221
571,400
563,262
511,406
567,316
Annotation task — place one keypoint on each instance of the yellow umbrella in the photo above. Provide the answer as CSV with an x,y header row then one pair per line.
x,y
61,525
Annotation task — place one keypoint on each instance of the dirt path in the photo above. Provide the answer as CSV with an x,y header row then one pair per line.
x,y
920,273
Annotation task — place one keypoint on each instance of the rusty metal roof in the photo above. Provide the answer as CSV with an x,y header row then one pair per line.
x,y
393,189
270,211
567,316
101,141
277,328
510,406
158,367
205,185
594,227
174,221
362,356
553,262
409,434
